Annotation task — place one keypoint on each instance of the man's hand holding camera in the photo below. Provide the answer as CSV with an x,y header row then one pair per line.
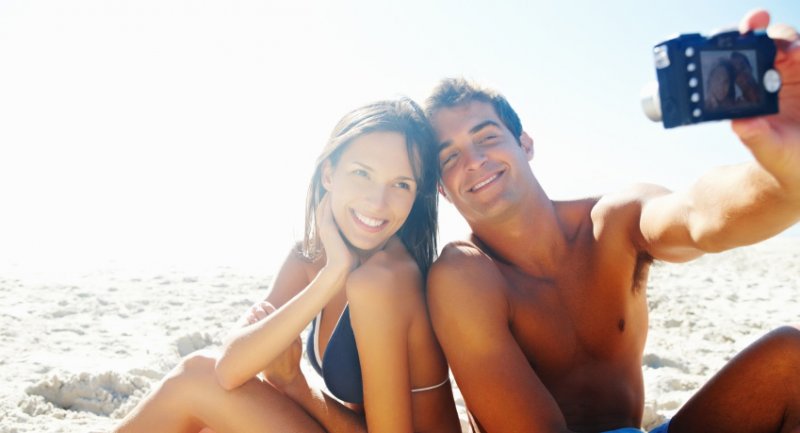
x,y
775,140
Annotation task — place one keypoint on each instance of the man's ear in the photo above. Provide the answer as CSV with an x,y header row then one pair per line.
x,y
327,174
526,142
443,192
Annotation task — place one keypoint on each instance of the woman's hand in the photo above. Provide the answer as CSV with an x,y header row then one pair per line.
x,y
337,252
285,369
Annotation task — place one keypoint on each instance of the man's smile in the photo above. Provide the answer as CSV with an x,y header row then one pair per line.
x,y
486,181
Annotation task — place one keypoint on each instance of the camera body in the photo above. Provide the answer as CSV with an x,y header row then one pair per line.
x,y
724,76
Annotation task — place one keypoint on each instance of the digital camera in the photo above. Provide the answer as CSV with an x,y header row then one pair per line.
x,y
723,76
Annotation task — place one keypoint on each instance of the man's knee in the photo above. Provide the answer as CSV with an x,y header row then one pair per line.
x,y
783,344
788,337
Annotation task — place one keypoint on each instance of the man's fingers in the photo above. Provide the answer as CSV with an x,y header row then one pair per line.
x,y
755,132
783,31
754,20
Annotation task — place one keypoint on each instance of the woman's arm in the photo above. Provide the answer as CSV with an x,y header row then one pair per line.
x,y
381,314
252,348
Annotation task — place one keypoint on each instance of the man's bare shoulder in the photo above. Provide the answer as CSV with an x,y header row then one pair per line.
x,y
460,250
457,255
634,195
618,214
463,268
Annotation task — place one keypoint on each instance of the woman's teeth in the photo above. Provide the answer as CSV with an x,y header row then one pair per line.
x,y
372,222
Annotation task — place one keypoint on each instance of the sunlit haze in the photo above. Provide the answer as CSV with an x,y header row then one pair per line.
x,y
183,132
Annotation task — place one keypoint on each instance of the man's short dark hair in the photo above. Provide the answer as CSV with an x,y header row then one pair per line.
x,y
455,92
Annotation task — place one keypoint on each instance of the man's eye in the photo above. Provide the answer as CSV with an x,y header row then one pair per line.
x,y
448,159
489,139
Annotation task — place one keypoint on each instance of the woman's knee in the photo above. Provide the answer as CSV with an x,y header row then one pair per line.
x,y
199,362
193,373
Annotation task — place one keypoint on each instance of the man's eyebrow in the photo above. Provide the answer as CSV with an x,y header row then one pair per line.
x,y
472,130
482,125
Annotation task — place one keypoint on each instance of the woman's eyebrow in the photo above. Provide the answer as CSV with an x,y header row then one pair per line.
x,y
369,168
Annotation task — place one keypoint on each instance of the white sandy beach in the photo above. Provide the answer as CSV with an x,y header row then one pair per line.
x,y
78,351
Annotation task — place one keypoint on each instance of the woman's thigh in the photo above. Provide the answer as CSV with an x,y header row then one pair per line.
x,y
190,398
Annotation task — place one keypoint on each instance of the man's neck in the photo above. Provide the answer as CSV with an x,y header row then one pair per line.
x,y
530,238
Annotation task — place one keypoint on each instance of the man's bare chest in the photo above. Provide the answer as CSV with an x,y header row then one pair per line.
x,y
581,314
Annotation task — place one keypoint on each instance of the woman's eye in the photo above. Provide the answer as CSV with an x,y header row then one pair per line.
x,y
360,172
403,185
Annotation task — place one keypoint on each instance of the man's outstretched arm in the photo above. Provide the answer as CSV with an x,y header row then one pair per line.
x,y
743,204
469,312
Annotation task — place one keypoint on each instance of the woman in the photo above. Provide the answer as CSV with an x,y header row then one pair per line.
x,y
720,90
369,240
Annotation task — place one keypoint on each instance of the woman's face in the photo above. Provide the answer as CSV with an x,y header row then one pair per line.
x,y
372,189
719,83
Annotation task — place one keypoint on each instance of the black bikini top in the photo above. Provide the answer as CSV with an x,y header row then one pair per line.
x,y
340,367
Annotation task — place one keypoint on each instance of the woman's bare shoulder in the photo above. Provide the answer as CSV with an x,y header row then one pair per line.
x,y
390,276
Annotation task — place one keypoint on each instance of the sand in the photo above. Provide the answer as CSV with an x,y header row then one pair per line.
x,y
79,349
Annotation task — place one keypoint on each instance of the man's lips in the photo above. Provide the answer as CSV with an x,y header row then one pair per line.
x,y
485,182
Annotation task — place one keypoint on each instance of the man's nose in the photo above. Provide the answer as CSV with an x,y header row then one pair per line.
x,y
474,158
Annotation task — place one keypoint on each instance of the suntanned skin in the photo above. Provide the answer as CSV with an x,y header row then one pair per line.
x,y
369,268
542,313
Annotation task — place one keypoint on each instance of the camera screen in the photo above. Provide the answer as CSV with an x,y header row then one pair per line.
x,y
729,80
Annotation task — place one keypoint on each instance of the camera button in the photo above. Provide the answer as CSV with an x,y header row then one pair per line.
x,y
691,67
693,82
695,97
661,56
689,52
697,112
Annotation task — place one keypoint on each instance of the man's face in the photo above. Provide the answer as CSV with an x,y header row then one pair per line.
x,y
485,170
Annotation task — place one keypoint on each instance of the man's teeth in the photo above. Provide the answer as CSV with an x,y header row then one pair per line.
x,y
485,182
372,222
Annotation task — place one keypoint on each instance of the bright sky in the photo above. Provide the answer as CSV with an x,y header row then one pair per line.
x,y
180,131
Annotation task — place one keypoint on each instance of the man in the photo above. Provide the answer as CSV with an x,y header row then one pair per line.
x,y
542,313
744,78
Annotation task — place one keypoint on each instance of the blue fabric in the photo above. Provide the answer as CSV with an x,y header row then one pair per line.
x,y
341,368
663,428
624,430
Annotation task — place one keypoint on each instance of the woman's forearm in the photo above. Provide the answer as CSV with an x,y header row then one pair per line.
x,y
250,350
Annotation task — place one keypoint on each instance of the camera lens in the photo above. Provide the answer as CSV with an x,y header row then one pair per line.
x,y
651,101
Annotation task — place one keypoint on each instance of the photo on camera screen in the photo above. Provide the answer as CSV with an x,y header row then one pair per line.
x,y
729,80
